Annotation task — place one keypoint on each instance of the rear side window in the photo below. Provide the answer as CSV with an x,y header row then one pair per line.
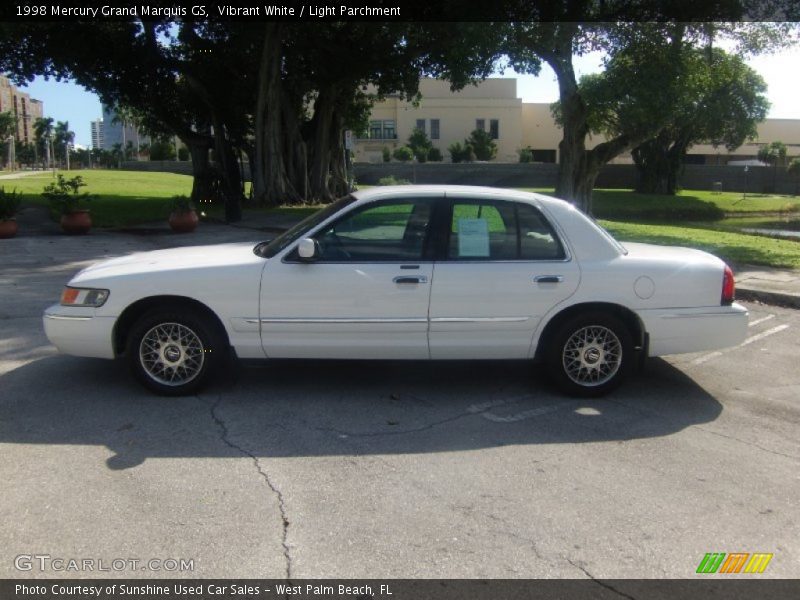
x,y
501,230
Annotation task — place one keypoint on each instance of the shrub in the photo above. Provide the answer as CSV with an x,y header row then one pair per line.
x,y
9,203
180,204
162,150
403,154
525,155
420,144
457,153
65,196
482,144
387,154
183,153
392,180
435,155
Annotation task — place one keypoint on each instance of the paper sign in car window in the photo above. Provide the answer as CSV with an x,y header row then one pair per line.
x,y
473,237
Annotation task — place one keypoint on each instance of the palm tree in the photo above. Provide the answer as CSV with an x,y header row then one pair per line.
x,y
64,137
43,133
773,154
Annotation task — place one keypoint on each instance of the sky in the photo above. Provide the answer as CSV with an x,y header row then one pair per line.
x,y
66,101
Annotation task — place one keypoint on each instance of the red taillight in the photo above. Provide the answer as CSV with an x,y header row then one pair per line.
x,y
728,286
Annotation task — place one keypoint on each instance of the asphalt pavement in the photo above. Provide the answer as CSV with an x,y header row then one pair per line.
x,y
386,469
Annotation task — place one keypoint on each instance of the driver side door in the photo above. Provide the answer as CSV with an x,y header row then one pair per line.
x,y
365,294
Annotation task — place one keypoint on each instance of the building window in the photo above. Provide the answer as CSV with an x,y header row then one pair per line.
x,y
375,130
480,124
434,129
382,130
494,129
421,125
544,156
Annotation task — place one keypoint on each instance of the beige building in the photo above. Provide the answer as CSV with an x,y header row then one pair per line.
x,y
25,108
493,105
447,117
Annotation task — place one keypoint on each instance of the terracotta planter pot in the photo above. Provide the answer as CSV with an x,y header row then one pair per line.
x,y
78,222
183,222
8,228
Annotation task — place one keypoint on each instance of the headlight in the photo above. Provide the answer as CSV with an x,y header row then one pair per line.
x,y
83,297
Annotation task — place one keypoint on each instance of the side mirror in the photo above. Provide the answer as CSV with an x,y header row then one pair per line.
x,y
308,249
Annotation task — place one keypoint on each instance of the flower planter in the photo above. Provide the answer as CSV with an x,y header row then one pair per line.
x,y
183,221
8,228
78,222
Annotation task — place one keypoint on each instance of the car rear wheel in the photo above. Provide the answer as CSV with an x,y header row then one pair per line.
x,y
591,354
174,353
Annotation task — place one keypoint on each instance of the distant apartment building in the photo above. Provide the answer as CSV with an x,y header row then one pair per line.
x,y
117,132
96,128
25,108
493,105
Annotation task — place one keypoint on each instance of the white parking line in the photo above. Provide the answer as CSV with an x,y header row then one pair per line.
x,y
760,336
761,320
763,334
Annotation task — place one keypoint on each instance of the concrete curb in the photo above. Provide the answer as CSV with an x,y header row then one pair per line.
x,y
785,300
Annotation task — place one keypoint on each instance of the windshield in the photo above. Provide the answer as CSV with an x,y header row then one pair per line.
x,y
270,249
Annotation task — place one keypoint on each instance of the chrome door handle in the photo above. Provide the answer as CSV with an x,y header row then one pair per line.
x,y
410,279
548,279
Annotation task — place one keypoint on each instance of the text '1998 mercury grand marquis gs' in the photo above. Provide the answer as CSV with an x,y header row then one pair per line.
x,y
409,272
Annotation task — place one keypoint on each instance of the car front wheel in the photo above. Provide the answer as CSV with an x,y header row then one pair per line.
x,y
174,353
591,354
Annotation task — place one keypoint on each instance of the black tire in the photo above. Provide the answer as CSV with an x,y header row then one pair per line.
x,y
175,352
590,354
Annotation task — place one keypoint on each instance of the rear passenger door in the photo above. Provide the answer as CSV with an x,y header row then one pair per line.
x,y
504,267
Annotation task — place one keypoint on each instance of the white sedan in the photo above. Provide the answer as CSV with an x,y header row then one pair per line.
x,y
409,272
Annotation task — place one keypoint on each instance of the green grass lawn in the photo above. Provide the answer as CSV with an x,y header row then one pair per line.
x,y
119,198
694,205
736,248
693,218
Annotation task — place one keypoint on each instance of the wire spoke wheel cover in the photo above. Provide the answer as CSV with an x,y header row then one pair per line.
x,y
171,354
592,355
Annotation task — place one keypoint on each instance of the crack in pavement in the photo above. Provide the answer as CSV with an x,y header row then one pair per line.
x,y
599,582
342,432
473,410
746,443
265,476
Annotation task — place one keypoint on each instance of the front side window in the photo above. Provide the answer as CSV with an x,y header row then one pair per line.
x,y
501,230
389,131
480,124
421,125
270,249
392,231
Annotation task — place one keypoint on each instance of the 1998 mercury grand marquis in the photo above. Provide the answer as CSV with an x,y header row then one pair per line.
x,y
408,272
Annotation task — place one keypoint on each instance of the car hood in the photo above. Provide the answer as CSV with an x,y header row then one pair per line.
x,y
174,259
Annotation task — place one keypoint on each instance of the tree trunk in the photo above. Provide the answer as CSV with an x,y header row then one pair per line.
x,y
271,183
324,139
228,171
658,163
296,149
202,174
575,177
